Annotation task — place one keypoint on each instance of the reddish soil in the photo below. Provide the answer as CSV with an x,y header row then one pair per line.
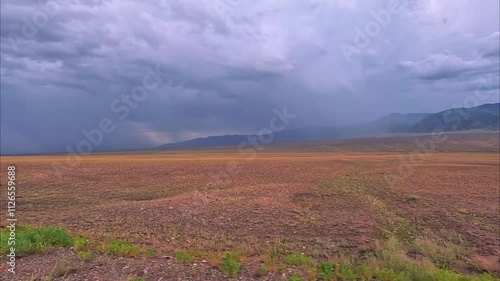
x,y
172,201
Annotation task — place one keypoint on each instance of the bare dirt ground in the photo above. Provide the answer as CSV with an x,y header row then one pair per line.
x,y
325,204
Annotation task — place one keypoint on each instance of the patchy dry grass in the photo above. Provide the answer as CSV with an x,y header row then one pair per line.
x,y
183,257
297,259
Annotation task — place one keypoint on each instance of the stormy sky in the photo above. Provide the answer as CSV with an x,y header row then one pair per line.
x,y
152,72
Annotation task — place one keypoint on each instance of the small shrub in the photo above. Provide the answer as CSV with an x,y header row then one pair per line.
x,y
325,270
298,259
120,248
231,268
230,264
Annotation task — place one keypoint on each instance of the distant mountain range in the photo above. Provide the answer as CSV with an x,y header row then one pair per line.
x,y
485,116
294,135
481,117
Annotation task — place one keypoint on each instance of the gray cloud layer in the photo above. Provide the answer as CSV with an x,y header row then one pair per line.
x,y
225,64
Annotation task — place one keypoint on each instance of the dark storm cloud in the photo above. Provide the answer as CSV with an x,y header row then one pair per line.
x,y
442,66
226,64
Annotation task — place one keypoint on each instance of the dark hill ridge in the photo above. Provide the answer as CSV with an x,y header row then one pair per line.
x,y
295,135
485,116
481,117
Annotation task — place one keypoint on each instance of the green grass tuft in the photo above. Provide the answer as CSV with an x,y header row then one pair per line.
x,y
325,270
230,264
119,248
35,241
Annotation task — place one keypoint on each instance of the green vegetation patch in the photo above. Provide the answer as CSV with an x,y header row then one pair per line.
x,y
29,241
325,270
231,264
119,248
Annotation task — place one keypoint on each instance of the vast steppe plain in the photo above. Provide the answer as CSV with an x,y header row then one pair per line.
x,y
282,212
